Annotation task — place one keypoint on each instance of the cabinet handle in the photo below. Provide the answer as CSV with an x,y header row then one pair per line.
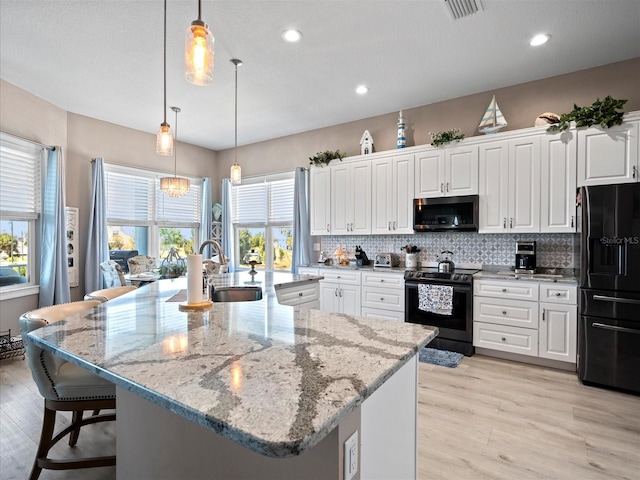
x,y
633,171
447,186
389,225
504,312
571,221
394,225
511,222
300,294
341,292
504,222
543,314
442,188
327,227
335,292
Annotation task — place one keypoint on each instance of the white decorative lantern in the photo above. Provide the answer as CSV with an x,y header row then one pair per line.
x,y
366,143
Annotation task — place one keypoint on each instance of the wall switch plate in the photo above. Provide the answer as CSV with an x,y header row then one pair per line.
x,y
351,456
316,247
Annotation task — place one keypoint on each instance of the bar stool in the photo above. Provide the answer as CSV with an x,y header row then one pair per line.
x,y
107,294
65,387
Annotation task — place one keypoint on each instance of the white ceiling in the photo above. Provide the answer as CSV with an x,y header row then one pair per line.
x,y
103,59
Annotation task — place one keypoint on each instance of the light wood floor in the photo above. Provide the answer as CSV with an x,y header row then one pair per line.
x,y
486,419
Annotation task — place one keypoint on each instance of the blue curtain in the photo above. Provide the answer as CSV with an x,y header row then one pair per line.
x,y
205,217
227,224
54,273
98,236
302,248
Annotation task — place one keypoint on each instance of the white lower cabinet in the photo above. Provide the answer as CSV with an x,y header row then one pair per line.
x,y
340,291
527,318
383,295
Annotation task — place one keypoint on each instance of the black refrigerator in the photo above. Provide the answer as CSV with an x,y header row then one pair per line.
x,y
609,320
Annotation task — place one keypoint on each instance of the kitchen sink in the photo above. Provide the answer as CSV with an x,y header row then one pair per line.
x,y
236,294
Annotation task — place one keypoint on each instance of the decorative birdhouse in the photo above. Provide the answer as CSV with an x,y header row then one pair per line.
x,y
366,143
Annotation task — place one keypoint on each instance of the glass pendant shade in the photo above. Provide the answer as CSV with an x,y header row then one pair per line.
x,y
236,174
198,54
174,186
164,143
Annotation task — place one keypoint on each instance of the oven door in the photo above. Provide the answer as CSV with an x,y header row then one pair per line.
x,y
457,326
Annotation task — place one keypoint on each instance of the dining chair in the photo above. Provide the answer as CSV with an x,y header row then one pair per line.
x,y
107,294
141,264
112,273
65,387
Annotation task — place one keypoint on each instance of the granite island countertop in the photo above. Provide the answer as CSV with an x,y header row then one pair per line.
x,y
270,377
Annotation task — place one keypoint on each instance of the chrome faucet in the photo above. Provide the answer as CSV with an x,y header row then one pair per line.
x,y
223,260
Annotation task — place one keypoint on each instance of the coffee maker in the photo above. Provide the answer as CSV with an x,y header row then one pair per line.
x,y
525,257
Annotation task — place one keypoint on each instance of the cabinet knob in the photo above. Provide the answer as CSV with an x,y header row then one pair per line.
x,y
504,312
504,339
559,294
504,290
300,294
382,299
338,276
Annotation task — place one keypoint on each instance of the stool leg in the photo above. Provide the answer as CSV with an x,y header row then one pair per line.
x,y
76,420
48,424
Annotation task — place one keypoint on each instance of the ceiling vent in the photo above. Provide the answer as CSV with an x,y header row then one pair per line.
x,y
463,8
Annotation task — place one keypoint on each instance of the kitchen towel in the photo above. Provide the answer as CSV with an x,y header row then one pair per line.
x,y
436,299
194,279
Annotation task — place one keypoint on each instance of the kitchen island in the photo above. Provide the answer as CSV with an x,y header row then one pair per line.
x,y
249,389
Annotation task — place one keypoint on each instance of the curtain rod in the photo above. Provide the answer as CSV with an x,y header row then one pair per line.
x,y
48,147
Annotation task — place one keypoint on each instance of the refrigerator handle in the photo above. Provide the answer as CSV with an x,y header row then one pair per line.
x,y
604,298
617,329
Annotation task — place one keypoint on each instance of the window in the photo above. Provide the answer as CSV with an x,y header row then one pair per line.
x,y
20,192
263,222
141,217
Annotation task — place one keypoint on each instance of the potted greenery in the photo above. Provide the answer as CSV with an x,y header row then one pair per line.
x,y
323,158
601,112
442,138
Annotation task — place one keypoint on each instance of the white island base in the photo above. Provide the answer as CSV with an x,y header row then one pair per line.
x,y
154,443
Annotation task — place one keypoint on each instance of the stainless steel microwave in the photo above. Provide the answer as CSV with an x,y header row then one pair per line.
x,y
446,214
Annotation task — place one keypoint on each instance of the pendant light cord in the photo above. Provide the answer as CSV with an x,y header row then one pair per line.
x,y
165,62
235,143
199,8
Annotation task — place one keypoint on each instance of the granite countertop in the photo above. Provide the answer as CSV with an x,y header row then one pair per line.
x,y
365,268
270,377
545,275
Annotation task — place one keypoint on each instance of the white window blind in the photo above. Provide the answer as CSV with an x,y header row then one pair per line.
x,y
20,165
270,202
134,198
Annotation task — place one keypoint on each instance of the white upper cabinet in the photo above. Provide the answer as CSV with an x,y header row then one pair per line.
x,y
351,198
510,186
609,155
449,171
320,200
558,183
392,196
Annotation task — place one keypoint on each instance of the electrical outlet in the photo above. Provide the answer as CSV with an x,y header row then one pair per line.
x,y
316,247
351,456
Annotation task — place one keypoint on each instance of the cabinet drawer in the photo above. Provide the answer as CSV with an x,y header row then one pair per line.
x,y
382,279
299,294
515,290
503,311
559,293
507,339
308,271
394,315
383,298
345,277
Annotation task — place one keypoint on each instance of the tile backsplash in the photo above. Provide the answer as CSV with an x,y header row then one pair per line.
x,y
554,250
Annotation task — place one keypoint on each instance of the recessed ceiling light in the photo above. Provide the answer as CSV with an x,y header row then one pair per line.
x,y
362,89
291,35
540,39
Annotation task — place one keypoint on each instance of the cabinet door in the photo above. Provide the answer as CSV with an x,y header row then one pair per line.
x,y
524,185
349,296
340,199
494,187
320,201
359,199
608,155
429,176
403,168
461,175
329,297
558,183
558,332
382,196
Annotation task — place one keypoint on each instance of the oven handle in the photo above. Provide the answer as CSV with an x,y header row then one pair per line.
x,y
459,287
614,328
605,298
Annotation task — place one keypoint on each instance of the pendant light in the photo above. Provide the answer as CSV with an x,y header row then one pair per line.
x,y
198,52
236,171
175,186
164,143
